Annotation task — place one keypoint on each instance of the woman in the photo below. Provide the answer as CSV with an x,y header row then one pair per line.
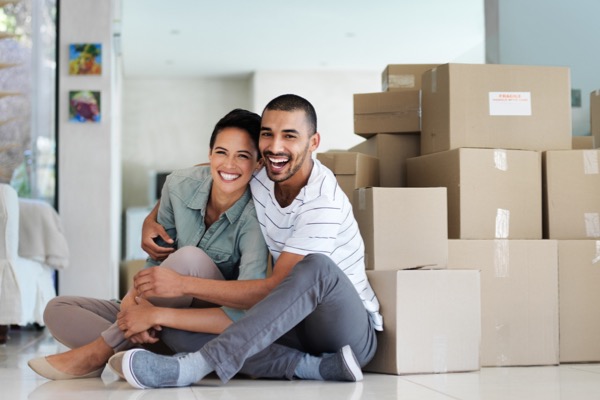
x,y
211,217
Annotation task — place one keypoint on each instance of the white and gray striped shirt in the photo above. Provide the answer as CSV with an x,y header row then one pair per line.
x,y
319,220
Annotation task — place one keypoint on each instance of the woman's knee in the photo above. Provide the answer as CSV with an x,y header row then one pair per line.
x,y
192,261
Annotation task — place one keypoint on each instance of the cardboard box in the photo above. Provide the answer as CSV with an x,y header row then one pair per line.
x,y
571,182
352,170
127,271
398,77
595,116
387,112
579,295
583,143
431,321
402,227
492,194
496,106
519,298
392,151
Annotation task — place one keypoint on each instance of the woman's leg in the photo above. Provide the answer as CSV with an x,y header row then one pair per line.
x,y
88,327
189,261
80,323
77,321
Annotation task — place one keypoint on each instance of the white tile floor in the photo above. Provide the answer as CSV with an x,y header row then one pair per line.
x,y
566,382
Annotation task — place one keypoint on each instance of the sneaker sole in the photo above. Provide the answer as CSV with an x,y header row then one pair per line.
x,y
352,366
126,366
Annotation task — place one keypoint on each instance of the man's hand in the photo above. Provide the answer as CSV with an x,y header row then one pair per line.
x,y
151,230
137,322
158,282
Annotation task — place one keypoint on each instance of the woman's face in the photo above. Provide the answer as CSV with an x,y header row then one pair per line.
x,y
233,159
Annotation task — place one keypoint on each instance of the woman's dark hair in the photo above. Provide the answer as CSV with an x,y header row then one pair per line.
x,y
242,119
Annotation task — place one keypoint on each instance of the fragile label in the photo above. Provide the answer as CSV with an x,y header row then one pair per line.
x,y
510,103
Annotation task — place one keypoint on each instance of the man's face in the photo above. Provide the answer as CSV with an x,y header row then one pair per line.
x,y
286,143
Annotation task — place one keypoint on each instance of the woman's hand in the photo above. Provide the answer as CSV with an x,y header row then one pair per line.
x,y
138,322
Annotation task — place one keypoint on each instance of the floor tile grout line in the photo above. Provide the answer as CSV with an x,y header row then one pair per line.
x,y
429,388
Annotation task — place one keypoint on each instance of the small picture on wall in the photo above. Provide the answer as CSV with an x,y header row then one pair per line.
x,y
85,59
84,106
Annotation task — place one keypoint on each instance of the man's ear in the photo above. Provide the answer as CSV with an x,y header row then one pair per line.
x,y
315,140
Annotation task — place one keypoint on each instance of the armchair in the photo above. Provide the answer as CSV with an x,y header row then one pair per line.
x,y
32,247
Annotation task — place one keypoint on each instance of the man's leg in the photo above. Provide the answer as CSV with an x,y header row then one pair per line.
x,y
314,282
339,319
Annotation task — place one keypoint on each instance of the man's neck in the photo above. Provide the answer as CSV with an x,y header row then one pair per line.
x,y
287,191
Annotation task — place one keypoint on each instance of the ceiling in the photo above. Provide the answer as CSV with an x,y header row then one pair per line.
x,y
199,38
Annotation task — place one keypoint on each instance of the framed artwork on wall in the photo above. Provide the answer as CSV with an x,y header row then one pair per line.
x,y
84,106
85,59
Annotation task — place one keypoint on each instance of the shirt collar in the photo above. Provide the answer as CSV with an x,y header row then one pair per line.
x,y
200,199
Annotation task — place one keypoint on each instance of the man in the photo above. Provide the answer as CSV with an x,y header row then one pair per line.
x,y
316,315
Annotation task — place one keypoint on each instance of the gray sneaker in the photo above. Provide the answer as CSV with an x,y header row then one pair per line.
x,y
341,366
144,369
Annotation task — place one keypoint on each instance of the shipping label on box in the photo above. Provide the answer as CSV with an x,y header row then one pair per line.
x,y
519,298
432,321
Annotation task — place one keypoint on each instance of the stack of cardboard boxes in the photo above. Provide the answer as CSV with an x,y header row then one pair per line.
x,y
520,210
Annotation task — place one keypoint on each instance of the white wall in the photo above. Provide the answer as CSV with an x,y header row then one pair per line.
x,y
330,92
551,32
88,180
167,125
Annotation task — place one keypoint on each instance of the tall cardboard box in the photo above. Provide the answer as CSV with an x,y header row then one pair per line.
x,y
127,271
519,298
431,321
402,227
392,152
398,77
595,116
351,169
579,294
496,106
387,112
571,182
492,193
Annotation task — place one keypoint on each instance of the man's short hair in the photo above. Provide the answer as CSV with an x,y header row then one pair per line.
x,y
292,102
238,118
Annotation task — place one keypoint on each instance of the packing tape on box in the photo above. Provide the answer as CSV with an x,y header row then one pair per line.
x,y
592,225
502,223
501,259
597,257
434,80
590,162
501,160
